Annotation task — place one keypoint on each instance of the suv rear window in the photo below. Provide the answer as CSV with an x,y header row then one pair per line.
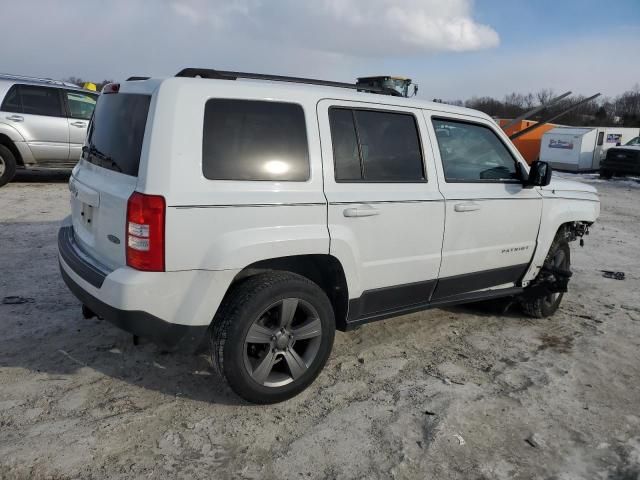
x,y
31,100
117,130
254,140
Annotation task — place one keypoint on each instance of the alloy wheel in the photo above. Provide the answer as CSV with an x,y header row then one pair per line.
x,y
282,342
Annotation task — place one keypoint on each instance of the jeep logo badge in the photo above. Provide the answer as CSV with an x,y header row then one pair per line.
x,y
114,239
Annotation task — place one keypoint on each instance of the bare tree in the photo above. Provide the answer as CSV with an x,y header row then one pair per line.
x,y
622,110
544,95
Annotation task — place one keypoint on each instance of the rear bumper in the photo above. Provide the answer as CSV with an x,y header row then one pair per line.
x,y
183,338
173,309
91,271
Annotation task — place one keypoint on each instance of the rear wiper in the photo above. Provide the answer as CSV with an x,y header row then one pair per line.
x,y
101,155
114,164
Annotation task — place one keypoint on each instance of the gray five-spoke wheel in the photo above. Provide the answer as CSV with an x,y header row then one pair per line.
x,y
3,166
282,342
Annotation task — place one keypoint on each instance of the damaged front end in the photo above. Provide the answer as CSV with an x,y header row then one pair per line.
x,y
550,280
552,277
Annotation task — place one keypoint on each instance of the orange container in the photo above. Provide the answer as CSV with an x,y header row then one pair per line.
x,y
528,144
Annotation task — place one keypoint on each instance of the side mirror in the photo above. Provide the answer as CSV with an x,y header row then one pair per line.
x,y
539,174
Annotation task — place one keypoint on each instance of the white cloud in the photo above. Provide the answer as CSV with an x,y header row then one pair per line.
x,y
584,65
186,11
359,27
435,42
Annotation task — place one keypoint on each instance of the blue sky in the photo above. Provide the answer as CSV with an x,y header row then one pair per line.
x,y
453,49
585,46
556,19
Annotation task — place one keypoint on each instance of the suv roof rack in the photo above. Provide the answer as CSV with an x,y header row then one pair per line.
x,y
10,76
226,75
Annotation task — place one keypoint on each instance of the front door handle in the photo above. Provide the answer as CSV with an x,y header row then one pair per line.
x,y
15,118
466,207
79,124
361,212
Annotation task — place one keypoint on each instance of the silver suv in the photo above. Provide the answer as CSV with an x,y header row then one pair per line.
x,y
43,123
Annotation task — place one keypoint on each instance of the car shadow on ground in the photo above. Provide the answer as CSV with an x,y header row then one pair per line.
x,y
41,176
499,307
70,346
44,330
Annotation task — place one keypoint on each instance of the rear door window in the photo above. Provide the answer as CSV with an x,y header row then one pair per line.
x,y
375,146
254,140
346,151
117,131
32,100
81,105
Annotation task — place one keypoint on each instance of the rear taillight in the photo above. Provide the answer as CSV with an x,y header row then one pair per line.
x,y
111,88
145,232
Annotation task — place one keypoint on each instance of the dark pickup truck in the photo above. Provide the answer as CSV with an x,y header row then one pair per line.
x,y
621,161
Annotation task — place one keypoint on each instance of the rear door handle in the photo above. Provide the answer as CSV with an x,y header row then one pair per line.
x,y
15,118
79,124
466,207
361,212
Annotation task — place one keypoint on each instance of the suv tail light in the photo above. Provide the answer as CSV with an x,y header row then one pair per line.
x,y
145,232
111,88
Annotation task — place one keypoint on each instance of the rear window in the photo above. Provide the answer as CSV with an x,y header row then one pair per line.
x,y
254,140
33,100
117,130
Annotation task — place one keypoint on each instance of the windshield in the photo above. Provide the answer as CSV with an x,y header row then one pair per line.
x,y
116,132
633,141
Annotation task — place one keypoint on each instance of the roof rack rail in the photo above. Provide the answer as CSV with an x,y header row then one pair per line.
x,y
10,76
135,79
225,75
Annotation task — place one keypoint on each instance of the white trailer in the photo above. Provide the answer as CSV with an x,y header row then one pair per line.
x,y
580,149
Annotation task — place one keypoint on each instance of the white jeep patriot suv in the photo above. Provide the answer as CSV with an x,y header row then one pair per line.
x,y
263,213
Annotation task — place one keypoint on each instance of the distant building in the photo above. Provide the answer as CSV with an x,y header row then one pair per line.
x,y
528,144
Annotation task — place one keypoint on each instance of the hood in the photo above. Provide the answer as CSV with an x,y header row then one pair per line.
x,y
633,148
562,185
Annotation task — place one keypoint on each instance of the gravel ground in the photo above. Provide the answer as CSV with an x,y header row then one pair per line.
x,y
457,393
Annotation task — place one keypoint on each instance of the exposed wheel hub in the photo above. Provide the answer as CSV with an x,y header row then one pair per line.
x,y
283,339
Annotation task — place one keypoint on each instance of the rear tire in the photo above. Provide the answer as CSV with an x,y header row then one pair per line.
x,y
606,174
544,306
272,336
7,165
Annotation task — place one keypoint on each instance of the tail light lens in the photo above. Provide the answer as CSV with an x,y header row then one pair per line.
x,y
111,88
145,232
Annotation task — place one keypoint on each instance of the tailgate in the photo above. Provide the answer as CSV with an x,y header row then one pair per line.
x,y
98,211
107,175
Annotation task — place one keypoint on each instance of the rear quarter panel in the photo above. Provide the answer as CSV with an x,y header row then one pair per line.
x,y
222,224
